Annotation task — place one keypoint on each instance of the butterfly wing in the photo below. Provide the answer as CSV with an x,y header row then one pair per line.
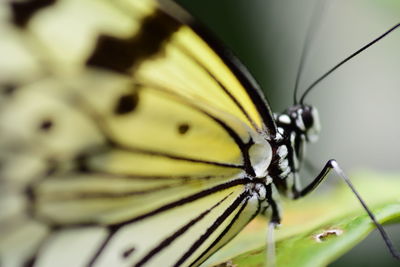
x,y
126,140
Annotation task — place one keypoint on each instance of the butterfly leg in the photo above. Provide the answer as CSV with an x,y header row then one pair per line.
x,y
275,220
271,260
333,165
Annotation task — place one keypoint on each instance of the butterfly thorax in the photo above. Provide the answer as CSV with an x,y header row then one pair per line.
x,y
297,126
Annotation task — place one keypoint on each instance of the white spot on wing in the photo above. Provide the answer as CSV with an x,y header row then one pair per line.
x,y
261,192
282,151
260,155
284,118
283,164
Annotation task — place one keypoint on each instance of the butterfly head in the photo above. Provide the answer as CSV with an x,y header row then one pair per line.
x,y
304,121
307,121
298,125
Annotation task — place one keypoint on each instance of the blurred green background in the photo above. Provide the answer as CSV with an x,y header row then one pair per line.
x,y
358,104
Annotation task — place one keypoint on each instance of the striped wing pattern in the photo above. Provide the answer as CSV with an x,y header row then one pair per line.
x,y
125,139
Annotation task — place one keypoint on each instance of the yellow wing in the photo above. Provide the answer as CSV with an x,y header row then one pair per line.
x,y
125,140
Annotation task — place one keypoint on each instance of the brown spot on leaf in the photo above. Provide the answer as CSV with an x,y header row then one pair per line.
x,y
327,234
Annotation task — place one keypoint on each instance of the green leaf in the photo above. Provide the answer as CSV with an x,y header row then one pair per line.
x,y
319,228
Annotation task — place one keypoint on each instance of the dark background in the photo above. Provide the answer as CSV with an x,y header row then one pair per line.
x,y
358,104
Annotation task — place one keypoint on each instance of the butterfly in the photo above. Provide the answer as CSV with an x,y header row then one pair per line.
x,y
131,137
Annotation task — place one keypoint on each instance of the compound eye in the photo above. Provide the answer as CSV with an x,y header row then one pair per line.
x,y
307,117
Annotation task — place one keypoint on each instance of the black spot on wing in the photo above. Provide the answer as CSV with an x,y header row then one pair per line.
x,y
121,55
183,128
23,11
30,194
81,162
46,125
8,89
128,252
126,104
52,167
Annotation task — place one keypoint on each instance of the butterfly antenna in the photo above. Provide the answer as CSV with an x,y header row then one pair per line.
x,y
310,36
345,60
